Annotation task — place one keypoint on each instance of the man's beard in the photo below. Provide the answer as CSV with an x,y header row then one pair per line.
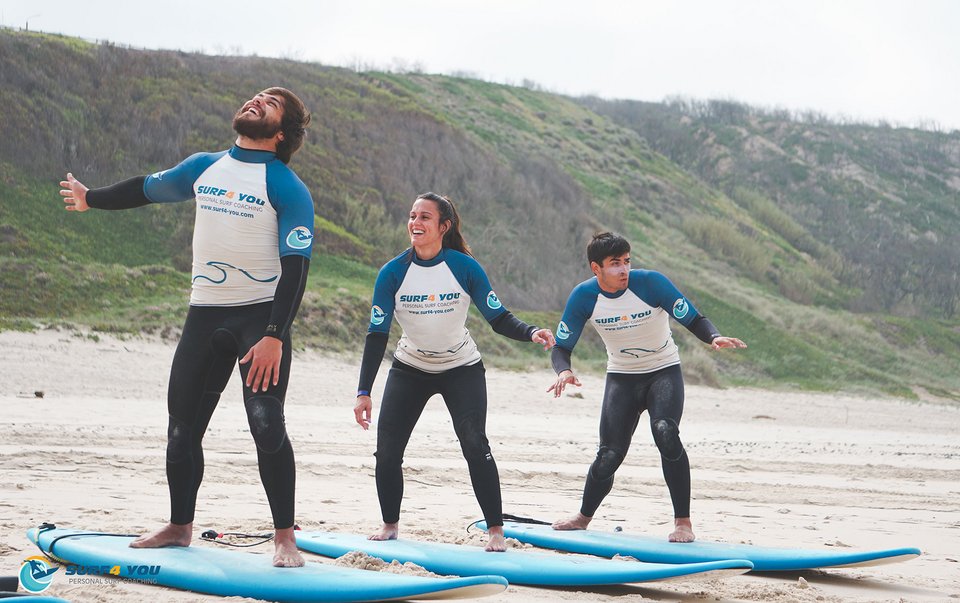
x,y
257,129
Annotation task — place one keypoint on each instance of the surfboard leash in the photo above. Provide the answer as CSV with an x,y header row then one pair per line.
x,y
217,537
514,518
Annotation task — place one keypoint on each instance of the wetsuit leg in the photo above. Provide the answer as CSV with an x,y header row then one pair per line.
x,y
198,375
664,402
267,422
464,391
619,417
404,397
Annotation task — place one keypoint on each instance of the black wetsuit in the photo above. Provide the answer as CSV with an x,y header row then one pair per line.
x,y
252,243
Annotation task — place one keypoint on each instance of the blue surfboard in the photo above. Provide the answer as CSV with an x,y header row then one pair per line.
x,y
230,573
518,567
659,550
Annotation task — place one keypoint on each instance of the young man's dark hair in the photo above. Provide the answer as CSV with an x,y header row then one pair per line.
x,y
605,245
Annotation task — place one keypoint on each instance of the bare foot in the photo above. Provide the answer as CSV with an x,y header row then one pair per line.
x,y
285,549
682,530
577,522
170,535
389,531
497,543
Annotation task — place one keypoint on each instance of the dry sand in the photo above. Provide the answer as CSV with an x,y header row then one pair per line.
x,y
771,468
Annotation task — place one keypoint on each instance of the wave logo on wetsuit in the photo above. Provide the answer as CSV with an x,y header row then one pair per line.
x,y
493,302
377,315
300,237
630,351
36,575
223,274
680,308
563,331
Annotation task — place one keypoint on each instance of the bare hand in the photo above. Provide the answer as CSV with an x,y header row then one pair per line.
x,y
544,337
74,194
726,342
563,379
362,411
265,368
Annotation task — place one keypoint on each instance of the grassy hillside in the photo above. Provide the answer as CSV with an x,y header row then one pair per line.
x,y
534,173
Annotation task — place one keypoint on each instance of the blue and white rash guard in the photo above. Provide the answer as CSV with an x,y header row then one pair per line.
x,y
633,324
251,211
430,299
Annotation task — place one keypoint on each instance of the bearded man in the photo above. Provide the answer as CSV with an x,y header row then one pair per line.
x,y
251,251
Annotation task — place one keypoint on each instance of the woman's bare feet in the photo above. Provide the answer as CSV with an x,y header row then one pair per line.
x,y
682,530
389,531
577,522
285,549
170,535
497,543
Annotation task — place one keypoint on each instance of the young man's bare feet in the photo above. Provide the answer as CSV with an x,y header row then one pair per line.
x,y
577,522
285,549
389,531
682,530
170,535
497,543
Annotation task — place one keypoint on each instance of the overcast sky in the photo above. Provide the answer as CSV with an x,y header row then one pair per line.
x,y
859,59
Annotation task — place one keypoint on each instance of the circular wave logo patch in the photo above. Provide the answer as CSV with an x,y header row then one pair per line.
x,y
36,574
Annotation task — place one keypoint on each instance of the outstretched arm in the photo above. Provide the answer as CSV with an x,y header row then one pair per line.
x,y
126,194
508,325
709,334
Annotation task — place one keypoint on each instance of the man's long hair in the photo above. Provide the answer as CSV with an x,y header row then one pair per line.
x,y
294,123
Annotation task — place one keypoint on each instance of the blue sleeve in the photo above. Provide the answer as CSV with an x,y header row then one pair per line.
x,y
579,307
657,290
176,184
385,294
294,205
474,281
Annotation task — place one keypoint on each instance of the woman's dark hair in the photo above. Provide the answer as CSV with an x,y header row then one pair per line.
x,y
293,124
605,245
453,238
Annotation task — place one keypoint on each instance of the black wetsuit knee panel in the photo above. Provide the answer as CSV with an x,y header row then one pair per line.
x,y
179,441
265,416
606,464
666,434
473,439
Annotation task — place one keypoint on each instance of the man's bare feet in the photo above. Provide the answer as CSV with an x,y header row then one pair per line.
x,y
389,531
497,543
682,530
170,535
577,522
285,549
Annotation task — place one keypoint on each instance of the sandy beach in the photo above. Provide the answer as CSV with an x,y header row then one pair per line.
x,y
787,469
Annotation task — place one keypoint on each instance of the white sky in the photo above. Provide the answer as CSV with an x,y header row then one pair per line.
x,y
860,59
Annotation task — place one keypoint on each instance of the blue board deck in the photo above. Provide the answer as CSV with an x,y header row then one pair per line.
x,y
518,567
659,550
231,573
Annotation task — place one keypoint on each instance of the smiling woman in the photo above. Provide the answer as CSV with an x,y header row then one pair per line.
x,y
429,289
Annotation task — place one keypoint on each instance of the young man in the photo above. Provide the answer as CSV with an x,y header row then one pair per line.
x,y
251,252
630,309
